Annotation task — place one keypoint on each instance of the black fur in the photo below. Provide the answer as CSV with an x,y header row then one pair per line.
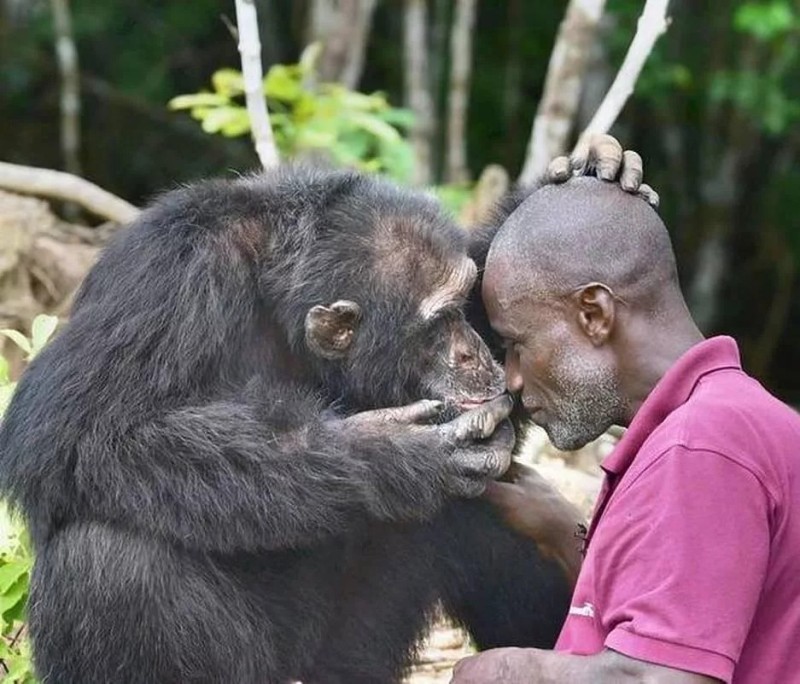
x,y
198,512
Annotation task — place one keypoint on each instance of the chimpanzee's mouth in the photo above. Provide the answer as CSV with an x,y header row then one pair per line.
x,y
475,402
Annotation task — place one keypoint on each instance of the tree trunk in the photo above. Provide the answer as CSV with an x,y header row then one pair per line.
x,y
417,87
558,107
343,26
67,57
253,75
460,74
652,24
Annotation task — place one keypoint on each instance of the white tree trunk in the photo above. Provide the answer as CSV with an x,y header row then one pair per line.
x,y
250,50
558,107
458,101
652,24
67,57
418,93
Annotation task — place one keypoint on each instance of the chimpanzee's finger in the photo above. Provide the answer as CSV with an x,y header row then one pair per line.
x,y
647,193
484,461
417,412
579,158
412,413
632,171
466,487
606,152
559,170
480,422
504,435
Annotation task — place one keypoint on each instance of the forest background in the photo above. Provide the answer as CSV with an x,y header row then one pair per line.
x,y
714,115
463,97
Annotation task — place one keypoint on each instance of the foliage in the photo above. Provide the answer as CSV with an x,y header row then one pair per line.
x,y
355,129
16,558
760,90
453,196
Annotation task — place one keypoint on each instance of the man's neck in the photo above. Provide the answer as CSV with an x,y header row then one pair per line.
x,y
652,350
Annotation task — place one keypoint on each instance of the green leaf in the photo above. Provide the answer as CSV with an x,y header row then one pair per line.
x,y
309,58
42,329
198,100
5,373
10,573
19,611
217,119
282,83
6,392
228,82
380,129
19,339
237,125
11,598
398,117
20,670
764,21
352,99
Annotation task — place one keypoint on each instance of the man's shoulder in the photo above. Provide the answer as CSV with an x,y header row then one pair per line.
x,y
733,415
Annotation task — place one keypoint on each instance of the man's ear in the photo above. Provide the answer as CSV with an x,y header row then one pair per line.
x,y
330,329
596,311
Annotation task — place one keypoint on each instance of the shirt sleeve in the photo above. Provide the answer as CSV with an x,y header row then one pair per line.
x,y
683,578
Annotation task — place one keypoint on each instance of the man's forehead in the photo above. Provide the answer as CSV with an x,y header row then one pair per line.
x,y
503,280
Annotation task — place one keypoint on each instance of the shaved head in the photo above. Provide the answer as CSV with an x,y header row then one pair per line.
x,y
575,274
587,230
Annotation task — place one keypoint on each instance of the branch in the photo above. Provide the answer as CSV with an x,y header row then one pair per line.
x,y
66,187
652,24
460,73
418,92
558,107
250,50
67,57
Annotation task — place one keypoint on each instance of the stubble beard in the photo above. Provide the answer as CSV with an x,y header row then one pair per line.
x,y
589,403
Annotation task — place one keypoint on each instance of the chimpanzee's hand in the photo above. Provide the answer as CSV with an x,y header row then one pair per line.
x,y
601,155
477,447
451,459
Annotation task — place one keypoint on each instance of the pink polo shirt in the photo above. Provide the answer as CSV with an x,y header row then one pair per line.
x,y
693,559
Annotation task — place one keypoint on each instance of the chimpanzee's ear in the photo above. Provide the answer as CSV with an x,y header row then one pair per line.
x,y
330,329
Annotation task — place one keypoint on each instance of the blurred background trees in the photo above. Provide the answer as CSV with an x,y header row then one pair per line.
x,y
449,88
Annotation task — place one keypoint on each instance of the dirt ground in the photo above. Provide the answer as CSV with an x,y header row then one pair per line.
x,y
577,476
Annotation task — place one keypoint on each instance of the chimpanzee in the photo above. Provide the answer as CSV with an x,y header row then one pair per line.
x,y
209,497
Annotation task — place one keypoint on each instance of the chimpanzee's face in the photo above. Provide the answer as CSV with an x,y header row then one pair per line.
x,y
454,363
411,344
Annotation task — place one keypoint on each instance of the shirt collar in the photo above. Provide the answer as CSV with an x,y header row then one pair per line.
x,y
672,391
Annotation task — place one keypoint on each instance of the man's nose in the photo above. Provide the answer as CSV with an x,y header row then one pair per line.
x,y
514,383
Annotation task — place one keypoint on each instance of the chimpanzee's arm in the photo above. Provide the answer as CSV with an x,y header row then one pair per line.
x,y
216,477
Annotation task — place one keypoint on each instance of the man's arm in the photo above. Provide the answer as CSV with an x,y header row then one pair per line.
x,y
535,509
532,666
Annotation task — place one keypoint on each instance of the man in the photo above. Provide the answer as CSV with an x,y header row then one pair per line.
x,y
692,565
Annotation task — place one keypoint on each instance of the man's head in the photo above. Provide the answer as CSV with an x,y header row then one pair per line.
x,y
576,278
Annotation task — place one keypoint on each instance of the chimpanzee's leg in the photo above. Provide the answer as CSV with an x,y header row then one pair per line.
x,y
383,611
495,582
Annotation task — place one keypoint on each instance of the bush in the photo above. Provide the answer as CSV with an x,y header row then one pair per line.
x,y
16,558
